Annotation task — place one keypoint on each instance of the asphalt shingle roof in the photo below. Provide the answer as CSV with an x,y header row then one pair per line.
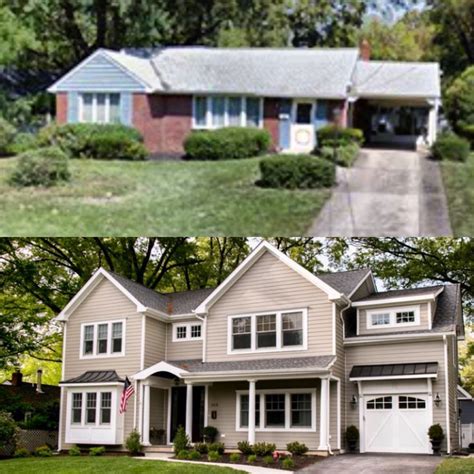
x,y
95,376
400,293
344,282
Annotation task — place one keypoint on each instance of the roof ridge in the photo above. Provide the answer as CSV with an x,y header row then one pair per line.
x,y
345,271
421,63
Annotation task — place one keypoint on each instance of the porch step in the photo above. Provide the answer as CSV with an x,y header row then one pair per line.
x,y
158,449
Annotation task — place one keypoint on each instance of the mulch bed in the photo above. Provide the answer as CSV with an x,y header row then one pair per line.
x,y
300,461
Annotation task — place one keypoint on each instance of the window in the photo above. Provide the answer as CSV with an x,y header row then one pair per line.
x,y
181,332
303,113
105,407
266,330
410,403
382,403
76,408
274,331
91,406
393,317
222,111
187,331
380,319
405,317
195,331
244,411
99,108
275,410
300,409
103,339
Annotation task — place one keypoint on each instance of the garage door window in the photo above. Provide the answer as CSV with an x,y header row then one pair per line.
x,y
410,403
381,403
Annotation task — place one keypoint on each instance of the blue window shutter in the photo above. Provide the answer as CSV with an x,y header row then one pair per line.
x,y
72,107
321,114
285,123
126,108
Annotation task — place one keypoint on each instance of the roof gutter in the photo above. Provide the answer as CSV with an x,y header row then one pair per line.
x,y
380,339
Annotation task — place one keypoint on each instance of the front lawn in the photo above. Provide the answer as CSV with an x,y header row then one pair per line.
x,y
94,465
157,198
459,185
456,465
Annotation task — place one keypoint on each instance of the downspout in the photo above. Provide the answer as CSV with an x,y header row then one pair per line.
x,y
446,381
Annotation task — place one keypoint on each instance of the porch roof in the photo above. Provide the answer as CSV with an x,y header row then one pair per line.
x,y
381,371
95,376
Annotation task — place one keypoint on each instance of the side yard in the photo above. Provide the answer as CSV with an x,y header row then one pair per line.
x,y
456,465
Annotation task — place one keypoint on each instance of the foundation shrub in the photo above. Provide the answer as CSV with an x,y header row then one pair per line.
x,y
133,444
218,447
252,458
245,447
234,457
288,463
451,147
335,136
213,456
297,448
201,448
263,449
97,451
183,454
181,440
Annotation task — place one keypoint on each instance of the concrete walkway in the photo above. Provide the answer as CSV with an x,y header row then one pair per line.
x,y
240,467
386,193
375,464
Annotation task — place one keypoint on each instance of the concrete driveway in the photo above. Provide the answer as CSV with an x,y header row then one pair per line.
x,y
375,464
386,193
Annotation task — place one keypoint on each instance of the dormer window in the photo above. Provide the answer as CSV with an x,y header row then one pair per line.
x,y
393,317
405,317
104,339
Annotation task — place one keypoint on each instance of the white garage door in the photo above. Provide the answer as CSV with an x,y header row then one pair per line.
x,y
397,423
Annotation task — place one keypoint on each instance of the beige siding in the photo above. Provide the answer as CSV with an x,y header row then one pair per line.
x,y
363,330
183,350
155,341
364,290
271,286
158,400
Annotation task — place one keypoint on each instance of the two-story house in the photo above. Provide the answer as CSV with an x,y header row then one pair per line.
x,y
274,353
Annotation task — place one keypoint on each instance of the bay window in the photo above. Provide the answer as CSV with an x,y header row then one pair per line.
x,y
99,107
91,407
105,407
76,415
104,339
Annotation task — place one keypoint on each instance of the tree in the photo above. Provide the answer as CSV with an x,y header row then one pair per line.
x,y
459,101
466,359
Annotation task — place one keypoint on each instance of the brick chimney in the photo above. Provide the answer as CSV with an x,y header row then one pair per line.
x,y
365,50
17,378
39,374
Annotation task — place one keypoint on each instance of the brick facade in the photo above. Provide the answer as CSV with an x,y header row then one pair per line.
x,y
61,107
271,110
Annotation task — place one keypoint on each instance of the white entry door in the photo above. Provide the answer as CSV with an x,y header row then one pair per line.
x,y
397,423
303,138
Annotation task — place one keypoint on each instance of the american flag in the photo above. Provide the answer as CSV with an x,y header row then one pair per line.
x,y
128,391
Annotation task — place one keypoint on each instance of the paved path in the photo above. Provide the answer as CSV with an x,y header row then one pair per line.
x,y
375,464
386,193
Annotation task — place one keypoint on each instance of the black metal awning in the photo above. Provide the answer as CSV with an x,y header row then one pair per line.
x,y
394,370
95,376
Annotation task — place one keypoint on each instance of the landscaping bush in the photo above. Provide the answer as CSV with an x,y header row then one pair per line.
x,y
213,456
97,451
341,156
181,440
21,142
451,147
7,134
334,136
201,448
245,447
21,453
263,449
209,433
234,457
43,451
8,430
95,141
268,459
194,455
183,454
74,451
467,131
219,447
133,444
436,432
288,463
297,448
230,143
42,167
296,172
251,459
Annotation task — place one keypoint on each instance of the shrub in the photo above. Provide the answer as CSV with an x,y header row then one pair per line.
x,y
201,448
95,141
296,172
209,433
268,459
43,451
7,134
342,156
297,448
288,463
74,451
230,143
183,454
352,434
21,142
234,457
133,444
334,136
8,430
213,456
252,458
181,440
435,432
451,147
42,167
245,447
97,451
21,453
263,449
467,131
219,447
194,455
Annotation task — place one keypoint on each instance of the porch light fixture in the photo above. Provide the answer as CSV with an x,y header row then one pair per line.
x,y
353,401
437,400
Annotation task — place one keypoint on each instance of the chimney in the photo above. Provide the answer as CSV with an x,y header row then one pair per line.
x,y
169,306
17,378
365,50
39,374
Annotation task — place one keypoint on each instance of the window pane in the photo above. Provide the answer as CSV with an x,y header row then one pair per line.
x,y
181,332
117,337
218,109
242,341
101,108
253,112
88,339
380,319
102,338
76,407
234,110
292,326
244,410
303,113
91,407
87,100
406,317
200,109
105,407
196,331
301,409
241,333
275,410
241,325
114,108
266,330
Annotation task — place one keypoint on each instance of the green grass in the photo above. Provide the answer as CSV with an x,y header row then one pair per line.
x,y
458,181
157,198
65,464
456,465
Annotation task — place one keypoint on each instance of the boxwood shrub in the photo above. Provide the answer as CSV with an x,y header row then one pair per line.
x,y
451,147
334,136
95,141
343,156
231,143
296,172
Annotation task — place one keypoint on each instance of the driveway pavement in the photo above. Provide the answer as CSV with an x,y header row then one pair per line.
x,y
376,464
386,193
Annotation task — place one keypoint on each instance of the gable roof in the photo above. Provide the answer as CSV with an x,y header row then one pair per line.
x,y
345,282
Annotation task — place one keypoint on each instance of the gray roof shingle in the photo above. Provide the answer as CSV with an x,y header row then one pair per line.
x,y
344,282
400,293
95,376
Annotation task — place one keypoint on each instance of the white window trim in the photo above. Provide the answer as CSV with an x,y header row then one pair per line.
x,y
188,332
94,106
109,353
253,334
243,114
393,317
287,392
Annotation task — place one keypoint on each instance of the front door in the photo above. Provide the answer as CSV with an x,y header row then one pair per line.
x,y
178,411
303,138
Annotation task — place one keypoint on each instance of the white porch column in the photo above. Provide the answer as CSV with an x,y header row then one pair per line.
x,y
323,415
189,411
251,433
146,416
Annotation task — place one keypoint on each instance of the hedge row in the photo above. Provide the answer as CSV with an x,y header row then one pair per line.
x,y
335,136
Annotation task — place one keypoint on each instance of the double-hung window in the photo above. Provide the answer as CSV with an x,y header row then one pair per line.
x,y
88,332
266,330
275,410
301,409
91,407
241,333
99,107
292,329
393,317
244,411
105,407
103,339
76,415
